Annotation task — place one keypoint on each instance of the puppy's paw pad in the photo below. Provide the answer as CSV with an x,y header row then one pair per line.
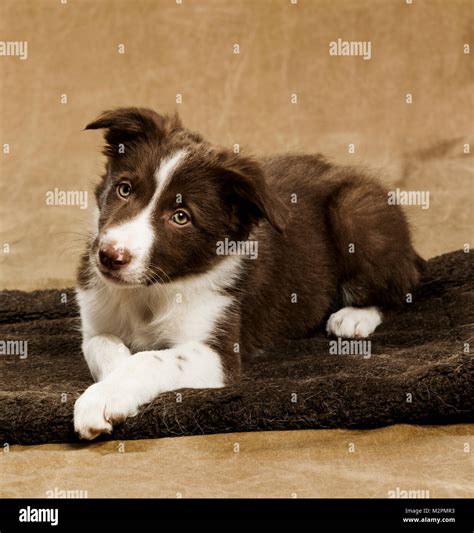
x,y
354,322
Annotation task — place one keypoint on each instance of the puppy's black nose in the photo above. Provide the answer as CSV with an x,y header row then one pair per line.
x,y
112,258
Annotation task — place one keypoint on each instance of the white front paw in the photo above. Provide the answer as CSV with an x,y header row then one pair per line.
x,y
354,322
99,407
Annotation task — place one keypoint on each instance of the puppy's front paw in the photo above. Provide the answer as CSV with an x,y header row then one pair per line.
x,y
354,322
99,407
89,413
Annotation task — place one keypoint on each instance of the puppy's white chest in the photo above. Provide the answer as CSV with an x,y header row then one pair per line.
x,y
152,318
125,314
140,330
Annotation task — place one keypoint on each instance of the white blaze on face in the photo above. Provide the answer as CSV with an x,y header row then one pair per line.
x,y
165,171
137,234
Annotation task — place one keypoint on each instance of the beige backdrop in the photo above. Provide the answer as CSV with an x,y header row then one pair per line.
x,y
245,98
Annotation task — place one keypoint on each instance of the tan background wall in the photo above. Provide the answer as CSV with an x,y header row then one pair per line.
x,y
244,98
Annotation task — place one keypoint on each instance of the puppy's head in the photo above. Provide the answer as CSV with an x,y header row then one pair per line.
x,y
167,197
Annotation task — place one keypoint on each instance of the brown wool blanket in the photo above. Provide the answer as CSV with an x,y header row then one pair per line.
x,y
419,371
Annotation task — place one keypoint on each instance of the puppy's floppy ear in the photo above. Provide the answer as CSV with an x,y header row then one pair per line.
x,y
248,194
129,124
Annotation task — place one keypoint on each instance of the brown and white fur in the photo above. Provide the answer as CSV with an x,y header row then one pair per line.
x,y
162,311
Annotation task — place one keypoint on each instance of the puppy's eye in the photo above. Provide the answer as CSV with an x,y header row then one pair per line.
x,y
124,189
180,217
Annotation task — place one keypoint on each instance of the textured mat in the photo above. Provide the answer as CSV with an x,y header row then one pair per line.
x,y
419,370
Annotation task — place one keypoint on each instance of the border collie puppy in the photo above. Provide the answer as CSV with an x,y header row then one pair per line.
x,y
168,297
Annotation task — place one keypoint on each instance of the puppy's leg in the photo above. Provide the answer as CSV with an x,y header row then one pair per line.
x,y
103,354
354,322
142,378
376,262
